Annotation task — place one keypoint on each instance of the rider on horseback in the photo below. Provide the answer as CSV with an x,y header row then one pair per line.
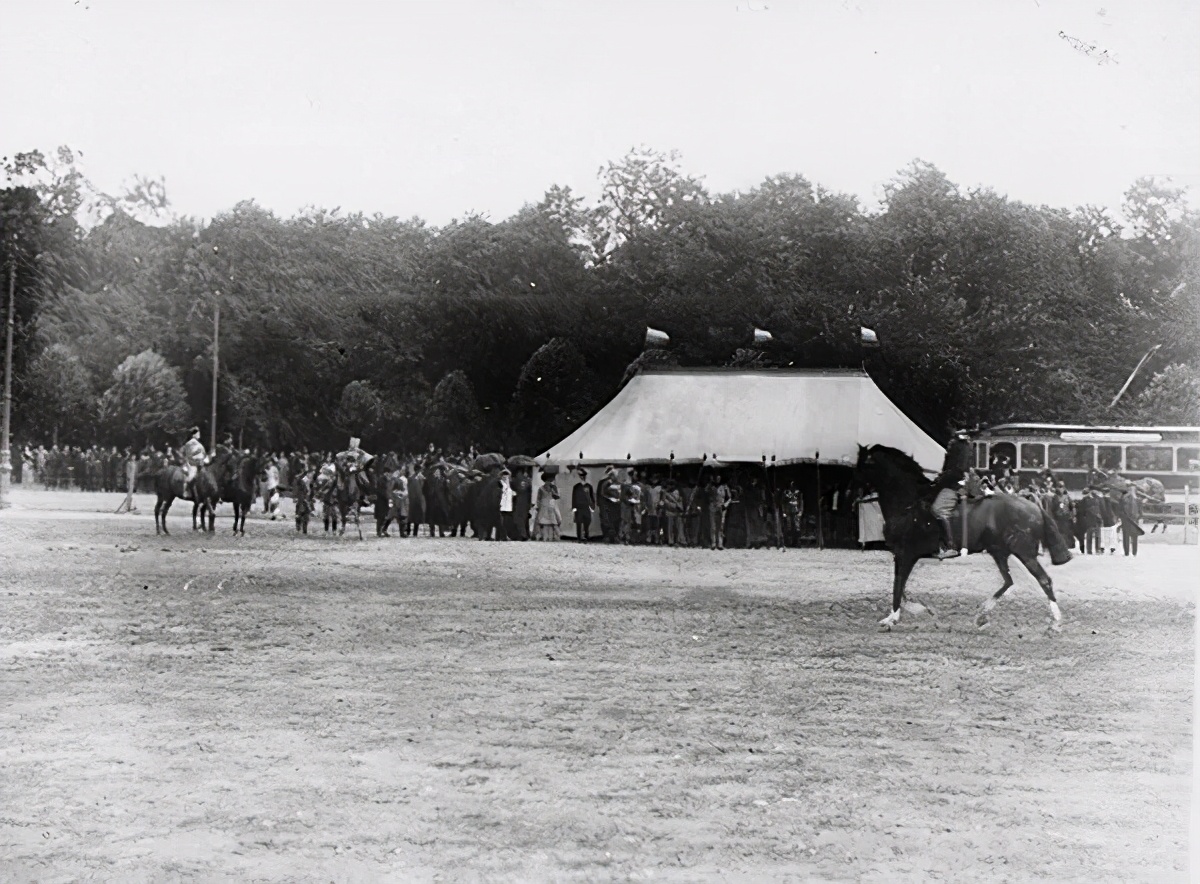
x,y
357,463
955,471
194,457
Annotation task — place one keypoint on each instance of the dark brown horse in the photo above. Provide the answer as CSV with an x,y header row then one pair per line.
x,y
1001,525
169,484
240,472
348,493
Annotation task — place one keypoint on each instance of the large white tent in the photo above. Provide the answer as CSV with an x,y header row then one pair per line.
x,y
742,416
730,416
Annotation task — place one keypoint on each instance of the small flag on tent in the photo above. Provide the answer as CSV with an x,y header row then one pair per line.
x,y
868,337
762,337
656,338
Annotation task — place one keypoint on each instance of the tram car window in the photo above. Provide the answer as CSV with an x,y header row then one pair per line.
x,y
1148,458
1187,460
1108,457
1071,457
1033,455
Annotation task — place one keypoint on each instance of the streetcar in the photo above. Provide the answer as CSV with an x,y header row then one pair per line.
x,y
1073,452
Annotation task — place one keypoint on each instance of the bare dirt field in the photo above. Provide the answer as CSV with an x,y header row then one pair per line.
x,y
277,708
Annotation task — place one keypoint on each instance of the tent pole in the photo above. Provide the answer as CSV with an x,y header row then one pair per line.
x,y
820,509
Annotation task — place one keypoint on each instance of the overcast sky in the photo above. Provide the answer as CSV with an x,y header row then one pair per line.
x,y
439,108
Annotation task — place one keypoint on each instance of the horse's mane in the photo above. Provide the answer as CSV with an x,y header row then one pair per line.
x,y
897,459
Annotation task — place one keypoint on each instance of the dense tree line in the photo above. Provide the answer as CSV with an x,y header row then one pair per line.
x,y
510,333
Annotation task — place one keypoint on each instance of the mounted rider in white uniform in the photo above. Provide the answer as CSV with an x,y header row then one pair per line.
x,y
194,457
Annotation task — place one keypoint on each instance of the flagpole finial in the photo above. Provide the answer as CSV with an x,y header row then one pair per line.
x,y
657,337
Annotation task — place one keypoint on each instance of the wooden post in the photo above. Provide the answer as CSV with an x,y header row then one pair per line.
x,y
1187,511
5,453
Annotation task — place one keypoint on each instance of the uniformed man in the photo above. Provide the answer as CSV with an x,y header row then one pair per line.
x,y
194,457
955,469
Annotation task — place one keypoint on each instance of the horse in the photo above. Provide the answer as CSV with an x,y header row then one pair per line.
x,y
348,491
169,484
1002,525
241,478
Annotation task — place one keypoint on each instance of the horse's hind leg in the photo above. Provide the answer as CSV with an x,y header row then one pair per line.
x,y
1039,574
1000,557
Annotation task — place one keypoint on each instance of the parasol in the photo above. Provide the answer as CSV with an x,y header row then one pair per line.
x,y
551,469
486,462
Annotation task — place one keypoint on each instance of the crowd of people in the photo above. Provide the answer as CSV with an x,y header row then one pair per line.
x,y
685,508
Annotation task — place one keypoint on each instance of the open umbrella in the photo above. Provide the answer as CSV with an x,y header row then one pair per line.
x,y
551,469
521,460
486,462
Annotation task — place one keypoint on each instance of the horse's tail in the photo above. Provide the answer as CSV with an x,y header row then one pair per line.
x,y
1059,554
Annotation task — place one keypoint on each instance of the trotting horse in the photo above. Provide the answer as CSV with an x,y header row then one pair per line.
x,y
169,484
1002,525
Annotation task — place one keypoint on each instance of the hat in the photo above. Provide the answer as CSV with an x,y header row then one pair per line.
x,y
610,469
194,430
354,443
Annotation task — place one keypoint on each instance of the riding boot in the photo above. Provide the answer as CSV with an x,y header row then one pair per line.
x,y
948,550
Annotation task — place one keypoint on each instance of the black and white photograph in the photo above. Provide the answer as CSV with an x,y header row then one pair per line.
x,y
822,378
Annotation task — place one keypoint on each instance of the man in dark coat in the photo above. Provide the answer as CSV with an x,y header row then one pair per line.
x,y
522,486
583,504
955,469
1088,520
487,509
608,492
1131,514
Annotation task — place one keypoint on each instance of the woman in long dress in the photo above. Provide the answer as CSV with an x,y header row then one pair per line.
x,y
398,480
548,519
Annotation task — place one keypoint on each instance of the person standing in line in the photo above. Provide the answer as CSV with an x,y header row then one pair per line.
x,y
522,502
548,518
651,501
1087,512
718,501
505,530
1108,524
608,494
270,489
398,511
1131,516
583,504
631,509
672,514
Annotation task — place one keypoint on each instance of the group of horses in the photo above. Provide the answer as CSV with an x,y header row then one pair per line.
x,y
231,477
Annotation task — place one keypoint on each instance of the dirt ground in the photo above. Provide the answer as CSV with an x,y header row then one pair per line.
x,y
277,708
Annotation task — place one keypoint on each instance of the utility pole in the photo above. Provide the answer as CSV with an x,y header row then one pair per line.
x,y
5,453
212,442
212,427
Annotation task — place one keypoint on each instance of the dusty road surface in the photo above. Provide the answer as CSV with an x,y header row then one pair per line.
x,y
283,709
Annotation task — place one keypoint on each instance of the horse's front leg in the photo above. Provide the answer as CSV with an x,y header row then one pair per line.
x,y
903,568
1000,557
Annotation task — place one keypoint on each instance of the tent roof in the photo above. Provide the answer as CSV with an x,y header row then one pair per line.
x,y
742,415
